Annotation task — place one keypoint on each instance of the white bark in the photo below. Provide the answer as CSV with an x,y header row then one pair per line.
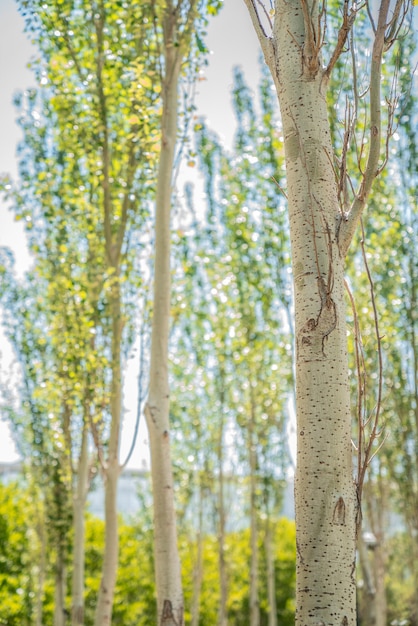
x,y
223,579
111,470
198,566
77,611
271,580
325,494
167,562
59,599
254,599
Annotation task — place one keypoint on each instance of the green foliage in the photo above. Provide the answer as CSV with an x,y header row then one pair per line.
x,y
238,564
16,554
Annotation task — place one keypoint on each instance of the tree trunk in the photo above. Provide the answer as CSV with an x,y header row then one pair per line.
x,y
167,561
41,567
111,471
77,610
271,579
198,566
223,580
325,495
368,604
59,603
254,600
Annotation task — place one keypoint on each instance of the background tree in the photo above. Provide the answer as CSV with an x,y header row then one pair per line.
x,y
87,175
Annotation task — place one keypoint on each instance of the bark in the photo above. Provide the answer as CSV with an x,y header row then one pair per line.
x,y
167,562
79,503
325,495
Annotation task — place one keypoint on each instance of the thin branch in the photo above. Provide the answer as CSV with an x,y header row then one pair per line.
x,y
374,434
280,188
371,170
266,41
347,25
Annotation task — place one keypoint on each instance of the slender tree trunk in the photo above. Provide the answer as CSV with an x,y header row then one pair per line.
x,y
41,567
368,604
223,579
271,578
77,611
254,600
59,603
112,469
167,561
198,566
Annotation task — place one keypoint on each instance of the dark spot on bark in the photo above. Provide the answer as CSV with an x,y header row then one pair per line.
x,y
339,512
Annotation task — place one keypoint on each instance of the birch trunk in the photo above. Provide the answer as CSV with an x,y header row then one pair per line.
x,y
77,611
167,562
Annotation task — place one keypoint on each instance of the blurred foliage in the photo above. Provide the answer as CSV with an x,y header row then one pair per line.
x,y
135,603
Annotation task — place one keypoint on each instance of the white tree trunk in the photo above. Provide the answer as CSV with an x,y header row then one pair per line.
x,y
271,579
325,494
223,578
167,562
77,612
252,453
198,566
59,603
111,470
110,561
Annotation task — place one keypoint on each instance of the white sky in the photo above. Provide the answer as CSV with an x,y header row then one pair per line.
x,y
232,42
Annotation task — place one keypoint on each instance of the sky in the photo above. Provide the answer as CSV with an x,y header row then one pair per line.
x,y
232,42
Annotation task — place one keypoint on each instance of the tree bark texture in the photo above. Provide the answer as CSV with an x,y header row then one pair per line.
x,y
167,562
325,493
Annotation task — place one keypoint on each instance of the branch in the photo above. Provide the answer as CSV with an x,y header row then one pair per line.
x,y
347,25
266,42
348,226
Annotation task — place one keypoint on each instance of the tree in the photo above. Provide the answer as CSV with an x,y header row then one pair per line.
x,y
87,177
176,24
325,202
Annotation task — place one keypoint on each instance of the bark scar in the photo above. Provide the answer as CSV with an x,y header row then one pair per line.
x,y
339,512
167,616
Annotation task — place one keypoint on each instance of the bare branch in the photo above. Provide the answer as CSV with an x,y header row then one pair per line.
x,y
266,42
348,21
372,166
374,433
